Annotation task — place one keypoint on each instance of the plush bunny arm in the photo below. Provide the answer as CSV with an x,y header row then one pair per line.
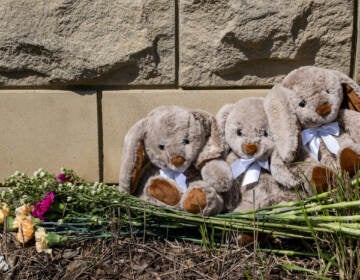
x,y
132,157
231,157
217,174
349,121
281,173
202,196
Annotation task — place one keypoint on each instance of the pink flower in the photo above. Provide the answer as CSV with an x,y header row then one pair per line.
x,y
63,178
41,207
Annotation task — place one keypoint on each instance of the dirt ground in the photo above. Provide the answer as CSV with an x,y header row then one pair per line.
x,y
154,258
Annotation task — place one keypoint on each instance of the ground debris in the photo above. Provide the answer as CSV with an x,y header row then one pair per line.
x,y
150,259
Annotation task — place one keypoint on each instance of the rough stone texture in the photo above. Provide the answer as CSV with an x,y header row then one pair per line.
x,y
121,109
357,58
75,42
48,129
255,43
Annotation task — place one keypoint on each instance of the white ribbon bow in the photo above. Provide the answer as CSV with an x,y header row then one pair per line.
x,y
178,177
311,137
252,167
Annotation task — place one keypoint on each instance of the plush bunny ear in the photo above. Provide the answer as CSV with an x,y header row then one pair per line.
x,y
282,122
351,92
221,118
133,157
214,146
223,114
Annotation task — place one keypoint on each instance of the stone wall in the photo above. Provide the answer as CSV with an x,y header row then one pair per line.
x,y
76,74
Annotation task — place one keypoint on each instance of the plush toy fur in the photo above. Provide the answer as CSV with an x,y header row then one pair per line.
x,y
177,140
310,97
244,127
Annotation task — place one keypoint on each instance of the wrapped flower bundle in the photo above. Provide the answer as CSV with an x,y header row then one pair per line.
x,y
55,210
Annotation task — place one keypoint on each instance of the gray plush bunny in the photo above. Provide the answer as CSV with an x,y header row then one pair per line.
x,y
250,146
313,117
185,169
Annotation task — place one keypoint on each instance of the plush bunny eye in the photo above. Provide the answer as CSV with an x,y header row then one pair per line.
x,y
161,147
302,103
186,141
328,91
262,132
239,132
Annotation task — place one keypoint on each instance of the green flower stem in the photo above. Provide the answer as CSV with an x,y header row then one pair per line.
x,y
296,204
314,219
289,253
319,208
67,224
53,239
104,235
339,227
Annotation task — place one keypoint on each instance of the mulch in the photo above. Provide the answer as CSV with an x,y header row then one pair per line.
x,y
154,258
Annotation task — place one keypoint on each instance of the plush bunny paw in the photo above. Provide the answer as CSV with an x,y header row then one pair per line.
x,y
321,178
245,239
349,161
164,191
195,201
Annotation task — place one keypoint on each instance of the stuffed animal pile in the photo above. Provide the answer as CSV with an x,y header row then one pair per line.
x,y
185,169
255,153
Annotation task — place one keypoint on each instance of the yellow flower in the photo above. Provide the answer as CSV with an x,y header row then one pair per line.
x,y
41,241
26,228
24,210
4,212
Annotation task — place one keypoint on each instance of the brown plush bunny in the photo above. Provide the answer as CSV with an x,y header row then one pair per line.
x,y
185,170
312,115
245,129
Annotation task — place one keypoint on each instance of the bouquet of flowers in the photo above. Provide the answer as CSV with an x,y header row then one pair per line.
x,y
53,210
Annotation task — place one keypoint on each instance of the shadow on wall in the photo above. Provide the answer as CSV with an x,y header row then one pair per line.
x,y
258,46
267,66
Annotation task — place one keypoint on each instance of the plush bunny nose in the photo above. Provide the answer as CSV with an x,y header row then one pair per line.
x,y
249,148
324,109
177,161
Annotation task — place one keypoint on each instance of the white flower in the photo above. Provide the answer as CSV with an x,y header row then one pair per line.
x,y
3,265
37,172
41,242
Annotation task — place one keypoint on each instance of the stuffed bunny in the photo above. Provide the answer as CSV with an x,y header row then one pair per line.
x,y
186,170
245,129
314,120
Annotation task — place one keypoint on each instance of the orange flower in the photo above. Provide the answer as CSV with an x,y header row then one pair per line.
x,y
24,210
26,228
24,223
4,212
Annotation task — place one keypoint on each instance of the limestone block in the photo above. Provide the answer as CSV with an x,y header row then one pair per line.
x,y
256,43
48,129
77,42
121,109
357,58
